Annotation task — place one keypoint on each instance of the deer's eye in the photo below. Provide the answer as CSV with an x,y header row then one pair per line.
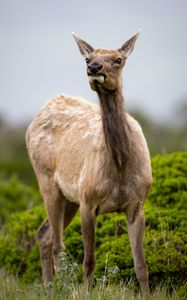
x,y
118,61
87,60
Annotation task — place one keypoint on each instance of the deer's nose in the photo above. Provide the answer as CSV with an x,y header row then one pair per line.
x,y
95,68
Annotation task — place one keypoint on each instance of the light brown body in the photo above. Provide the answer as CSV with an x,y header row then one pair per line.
x,y
75,168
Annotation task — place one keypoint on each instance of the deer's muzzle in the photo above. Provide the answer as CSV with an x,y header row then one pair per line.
x,y
96,79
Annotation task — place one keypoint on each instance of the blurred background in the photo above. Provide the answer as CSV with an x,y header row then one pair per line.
x,y
39,59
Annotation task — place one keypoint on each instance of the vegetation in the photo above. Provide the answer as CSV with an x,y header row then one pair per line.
x,y
15,196
165,239
66,286
165,235
12,289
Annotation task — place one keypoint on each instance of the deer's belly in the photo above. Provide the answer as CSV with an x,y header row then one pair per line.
x,y
93,191
103,195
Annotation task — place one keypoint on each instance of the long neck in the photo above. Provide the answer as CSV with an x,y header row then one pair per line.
x,y
115,127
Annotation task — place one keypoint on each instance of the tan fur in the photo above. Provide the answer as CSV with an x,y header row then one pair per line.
x,y
74,167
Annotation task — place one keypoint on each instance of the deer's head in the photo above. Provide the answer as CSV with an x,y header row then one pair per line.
x,y
104,67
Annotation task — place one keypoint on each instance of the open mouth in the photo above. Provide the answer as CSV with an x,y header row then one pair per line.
x,y
99,78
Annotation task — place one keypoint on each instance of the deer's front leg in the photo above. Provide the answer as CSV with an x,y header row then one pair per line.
x,y
135,232
88,219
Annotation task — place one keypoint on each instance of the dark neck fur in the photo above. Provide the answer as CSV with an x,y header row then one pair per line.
x,y
115,127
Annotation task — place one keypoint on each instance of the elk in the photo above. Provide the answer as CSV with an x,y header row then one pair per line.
x,y
92,157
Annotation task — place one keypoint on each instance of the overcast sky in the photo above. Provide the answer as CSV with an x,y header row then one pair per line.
x,y
39,58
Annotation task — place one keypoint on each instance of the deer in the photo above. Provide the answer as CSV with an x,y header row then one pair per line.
x,y
93,158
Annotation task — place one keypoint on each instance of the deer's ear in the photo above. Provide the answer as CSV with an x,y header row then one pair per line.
x,y
128,47
84,47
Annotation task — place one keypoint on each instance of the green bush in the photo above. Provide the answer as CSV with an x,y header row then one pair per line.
x,y
19,253
170,185
165,235
15,196
166,218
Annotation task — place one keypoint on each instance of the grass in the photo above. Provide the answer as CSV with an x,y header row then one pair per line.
x,y
66,286
12,289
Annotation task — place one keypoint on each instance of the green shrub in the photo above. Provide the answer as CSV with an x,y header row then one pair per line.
x,y
15,196
166,218
19,251
170,184
165,235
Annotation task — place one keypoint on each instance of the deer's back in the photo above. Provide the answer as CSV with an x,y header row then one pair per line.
x,y
63,123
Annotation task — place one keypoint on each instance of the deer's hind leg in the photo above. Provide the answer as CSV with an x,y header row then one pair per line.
x,y
45,245
60,213
50,232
